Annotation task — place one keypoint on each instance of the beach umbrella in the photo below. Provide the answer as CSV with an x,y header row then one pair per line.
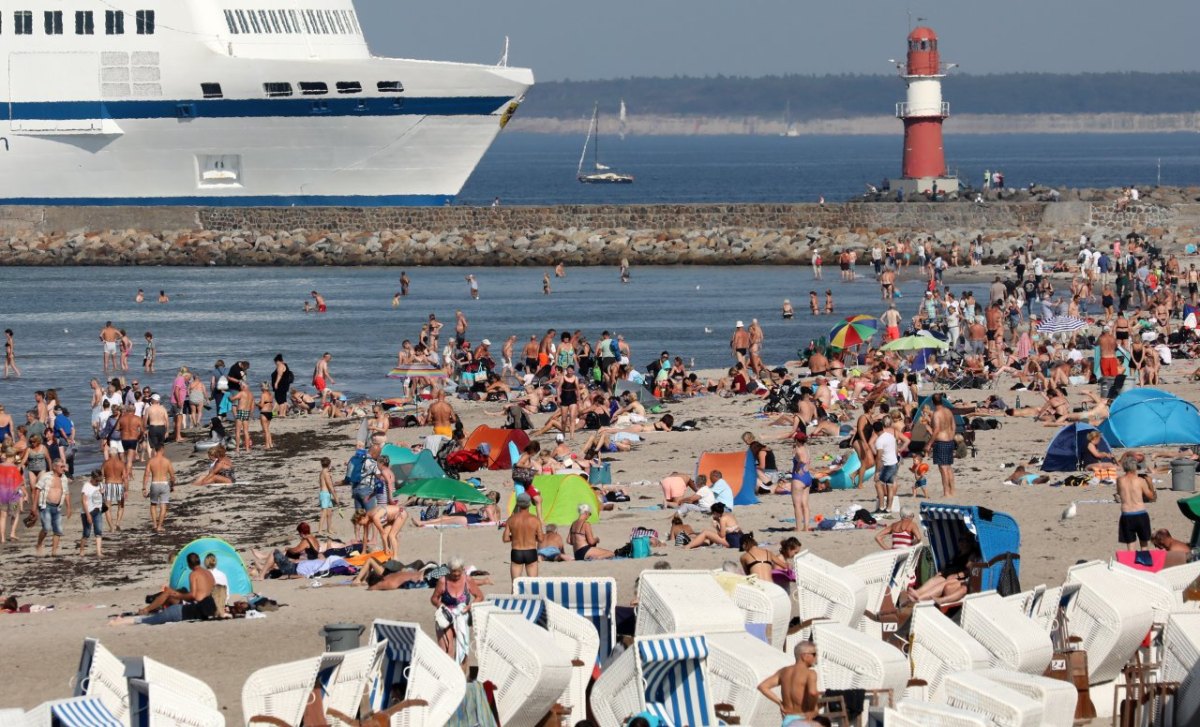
x,y
915,343
417,371
1061,324
443,489
853,331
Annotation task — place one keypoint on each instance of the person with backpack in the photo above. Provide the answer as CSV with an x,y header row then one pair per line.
x,y
281,383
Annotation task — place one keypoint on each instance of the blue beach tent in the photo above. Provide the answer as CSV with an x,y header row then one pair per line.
x,y
1068,450
960,424
228,562
1150,417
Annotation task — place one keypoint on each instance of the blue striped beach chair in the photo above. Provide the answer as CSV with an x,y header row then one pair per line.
x,y
102,675
595,599
73,712
415,665
666,676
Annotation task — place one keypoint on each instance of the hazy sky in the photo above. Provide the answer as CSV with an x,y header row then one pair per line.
x,y
616,38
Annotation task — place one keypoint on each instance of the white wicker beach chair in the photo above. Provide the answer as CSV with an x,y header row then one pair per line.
x,y
827,591
879,571
1157,590
1027,601
414,661
1179,577
678,601
1056,696
529,670
1109,623
353,677
1014,640
737,664
14,718
1002,706
908,571
595,599
572,633
159,674
850,659
1181,655
927,714
157,705
664,675
102,675
939,648
762,603
73,712
282,691
893,718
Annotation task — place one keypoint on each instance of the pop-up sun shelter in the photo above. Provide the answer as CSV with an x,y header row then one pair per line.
x,y
497,441
997,533
1068,450
1150,417
409,465
737,468
960,424
228,562
561,497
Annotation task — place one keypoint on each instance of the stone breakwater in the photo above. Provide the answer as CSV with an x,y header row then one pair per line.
x,y
575,235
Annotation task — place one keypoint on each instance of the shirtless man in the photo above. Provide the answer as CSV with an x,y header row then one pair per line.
x,y
243,410
131,427
887,284
506,357
441,416
891,320
797,686
523,530
194,604
53,501
1133,490
109,336
473,284
115,481
320,301
1163,541
157,483
321,377
943,431
994,318
739,343
157,420
1110,365
530,354
460,327
404,283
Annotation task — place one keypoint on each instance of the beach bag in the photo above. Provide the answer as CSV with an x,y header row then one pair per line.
x,y
600,474
640,547
223,384
354,468
523,475
466,460
682,538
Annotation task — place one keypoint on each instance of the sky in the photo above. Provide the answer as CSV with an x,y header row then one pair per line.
x,y
572,39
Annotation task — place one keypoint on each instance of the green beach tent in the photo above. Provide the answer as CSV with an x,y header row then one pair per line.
x,y
561,497
409,465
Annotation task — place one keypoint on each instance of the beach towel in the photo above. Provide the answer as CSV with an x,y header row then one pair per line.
x,y
360,560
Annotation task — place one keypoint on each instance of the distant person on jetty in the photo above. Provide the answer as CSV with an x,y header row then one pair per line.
x,y
1133,490
404,282
473,285
319,300
109,338
523,530
10,354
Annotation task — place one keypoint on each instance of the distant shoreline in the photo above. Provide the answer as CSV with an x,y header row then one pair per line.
x,y
977,124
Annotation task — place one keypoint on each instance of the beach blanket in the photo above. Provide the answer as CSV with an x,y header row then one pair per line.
x,y
361,559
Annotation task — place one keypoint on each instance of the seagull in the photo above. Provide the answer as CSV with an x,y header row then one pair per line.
x,y
1070,512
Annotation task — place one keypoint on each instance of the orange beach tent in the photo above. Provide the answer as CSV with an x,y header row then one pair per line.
x,y
497,441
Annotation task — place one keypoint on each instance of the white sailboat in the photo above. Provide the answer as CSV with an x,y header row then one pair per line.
x,y
624,121
789,126
600,174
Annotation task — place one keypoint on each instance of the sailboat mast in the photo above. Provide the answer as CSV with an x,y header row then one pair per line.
x,y
586,141
596,121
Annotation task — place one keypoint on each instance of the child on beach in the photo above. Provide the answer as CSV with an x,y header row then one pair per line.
x,y
919,469
327,497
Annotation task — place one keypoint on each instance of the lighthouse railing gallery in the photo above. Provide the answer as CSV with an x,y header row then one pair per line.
x,y
902,110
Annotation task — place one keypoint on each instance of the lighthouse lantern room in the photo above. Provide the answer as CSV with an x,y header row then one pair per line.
x,y
923,171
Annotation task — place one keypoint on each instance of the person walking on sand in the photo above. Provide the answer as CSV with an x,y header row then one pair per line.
x,y
739,343
115,479
243,409
321,377
157,483
1133,491
943,443
109,338
473,286
10,354
327,497
52,495
523,530
319,300
91,505
131,427
797,685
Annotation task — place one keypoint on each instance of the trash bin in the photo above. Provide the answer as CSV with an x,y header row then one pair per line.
x,y
341,637
1183,475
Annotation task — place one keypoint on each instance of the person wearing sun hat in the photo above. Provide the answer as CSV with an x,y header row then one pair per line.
x,y
740,342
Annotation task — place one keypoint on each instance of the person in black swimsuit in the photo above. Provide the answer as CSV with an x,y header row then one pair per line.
x,y
568,399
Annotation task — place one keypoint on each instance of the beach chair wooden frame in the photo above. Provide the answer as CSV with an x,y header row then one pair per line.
x,y
279,694
971,692
678,601
850,659
928,714
102,675
595,599
352,679
529,670
572,633
827,591
156,705
87,711
1056,697
666,675
1013,639
1109,624
436,684
939,648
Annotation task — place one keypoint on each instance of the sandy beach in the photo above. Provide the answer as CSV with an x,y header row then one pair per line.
x,y
280,489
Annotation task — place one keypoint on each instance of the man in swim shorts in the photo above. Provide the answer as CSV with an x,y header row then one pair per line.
x,y
943,432
321,378
157,484
109,336
441,416
157,419
524,531
1133,491
115,479
131,428
320,300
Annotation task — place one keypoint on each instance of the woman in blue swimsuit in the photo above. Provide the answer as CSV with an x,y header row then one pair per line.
x,y
801,479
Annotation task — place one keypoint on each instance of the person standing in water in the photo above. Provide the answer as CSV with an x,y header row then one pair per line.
x,y
560,270
10,354
624,270
404,283
320,301
545,283
473,285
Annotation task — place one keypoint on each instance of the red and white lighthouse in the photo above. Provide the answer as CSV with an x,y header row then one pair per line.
x,y
924,167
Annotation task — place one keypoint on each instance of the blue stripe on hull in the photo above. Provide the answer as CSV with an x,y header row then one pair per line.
x,y
257,108
351,200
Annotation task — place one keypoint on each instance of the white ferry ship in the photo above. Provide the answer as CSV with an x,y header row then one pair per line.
x,y
236,103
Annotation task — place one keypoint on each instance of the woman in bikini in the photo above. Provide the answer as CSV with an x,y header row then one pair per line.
x,y
727,534
266,412
904,532
220,470
757,561
801,479
583,541
379,423
454,593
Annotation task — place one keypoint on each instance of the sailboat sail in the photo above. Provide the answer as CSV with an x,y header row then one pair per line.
x,y
624,120
601,174
586,142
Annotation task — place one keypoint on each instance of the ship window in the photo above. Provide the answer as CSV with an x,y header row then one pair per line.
x,y
211,90
53,19
390,87
229,21
23,22
274,21
83,23
114,22
314,88
254,21
274,89
241,18
349,87
145,22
